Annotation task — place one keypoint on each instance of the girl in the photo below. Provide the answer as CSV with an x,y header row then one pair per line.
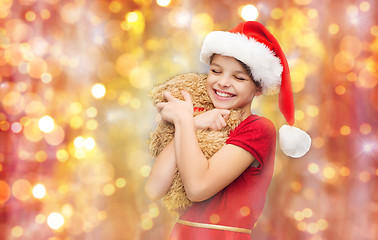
x,y
229,189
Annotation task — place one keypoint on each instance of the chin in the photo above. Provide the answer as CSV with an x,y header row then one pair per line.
x,y
222,105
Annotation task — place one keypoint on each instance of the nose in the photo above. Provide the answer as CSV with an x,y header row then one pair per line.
x,y
224,81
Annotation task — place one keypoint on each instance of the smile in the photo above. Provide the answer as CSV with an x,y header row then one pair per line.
x,y
223,94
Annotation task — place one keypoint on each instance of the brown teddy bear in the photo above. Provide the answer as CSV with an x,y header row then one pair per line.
x,y
210,141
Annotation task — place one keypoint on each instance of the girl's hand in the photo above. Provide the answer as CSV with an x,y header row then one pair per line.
x,y
215,119
175,110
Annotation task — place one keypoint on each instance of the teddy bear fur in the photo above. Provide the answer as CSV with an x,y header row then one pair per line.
x,y
210,141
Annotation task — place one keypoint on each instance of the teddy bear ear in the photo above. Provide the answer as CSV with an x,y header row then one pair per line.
x,y
157,92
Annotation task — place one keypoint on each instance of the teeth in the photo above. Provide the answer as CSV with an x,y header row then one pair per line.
x,y
223,94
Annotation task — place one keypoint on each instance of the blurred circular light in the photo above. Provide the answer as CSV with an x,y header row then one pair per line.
x,y
17,231
115,6
46,124
67,210
108,189
344,171
46,77
329,172
120,182
40,156
313,168
147,223
30,16
16,127
40,218
98,90
163,3
39,191
55,220
345,130
249,13
132,17
277,13
45,14
55,137
79,142
21,189
62,155
365,128
71,13
153,210
5,192
145,170
89,143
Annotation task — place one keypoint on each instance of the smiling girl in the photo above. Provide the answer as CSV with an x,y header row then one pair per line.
x,y
230,188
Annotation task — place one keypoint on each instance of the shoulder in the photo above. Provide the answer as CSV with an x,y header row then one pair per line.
x,y
255,124
257,135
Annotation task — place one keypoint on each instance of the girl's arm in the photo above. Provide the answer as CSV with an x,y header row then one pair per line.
x,y
202,178
162,173
164,167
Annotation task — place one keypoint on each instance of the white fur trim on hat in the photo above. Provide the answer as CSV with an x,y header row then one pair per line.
x,y
294,142
265,67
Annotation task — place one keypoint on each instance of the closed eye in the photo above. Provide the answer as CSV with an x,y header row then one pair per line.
x,y
240,78
215,71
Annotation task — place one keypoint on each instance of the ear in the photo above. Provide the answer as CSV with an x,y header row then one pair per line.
x,y
259,92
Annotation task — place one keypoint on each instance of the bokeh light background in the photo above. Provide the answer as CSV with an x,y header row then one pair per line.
x,y
75,114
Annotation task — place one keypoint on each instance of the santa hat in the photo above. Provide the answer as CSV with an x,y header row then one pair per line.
x,y
251,43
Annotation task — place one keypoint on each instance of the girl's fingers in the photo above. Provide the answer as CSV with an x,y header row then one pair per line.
x,y
160,106
223,122
225,114
169,96
187,97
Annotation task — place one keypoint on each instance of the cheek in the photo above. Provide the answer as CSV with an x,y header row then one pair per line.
x,y
248,91
209,82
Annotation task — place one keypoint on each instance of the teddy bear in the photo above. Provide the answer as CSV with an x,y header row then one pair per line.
x,y
210,141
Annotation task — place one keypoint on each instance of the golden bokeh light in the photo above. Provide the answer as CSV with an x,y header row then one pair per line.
x,y
98,90
340,90
313,168
62,155
202,24
301,226
46,124
17,231
5,192
22,189
163,3
365,6
365,128
329,172
40,219
115,6
39,191
345,130
277,13
296,186
55,220
249,12
344,171
120,182
214,218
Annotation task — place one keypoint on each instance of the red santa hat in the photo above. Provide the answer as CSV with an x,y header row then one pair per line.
x,y
251,43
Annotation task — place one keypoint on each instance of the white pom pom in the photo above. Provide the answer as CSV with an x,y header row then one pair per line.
x,y
294,142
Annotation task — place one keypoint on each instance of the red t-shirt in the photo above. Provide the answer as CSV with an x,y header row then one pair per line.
x,y
240,203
